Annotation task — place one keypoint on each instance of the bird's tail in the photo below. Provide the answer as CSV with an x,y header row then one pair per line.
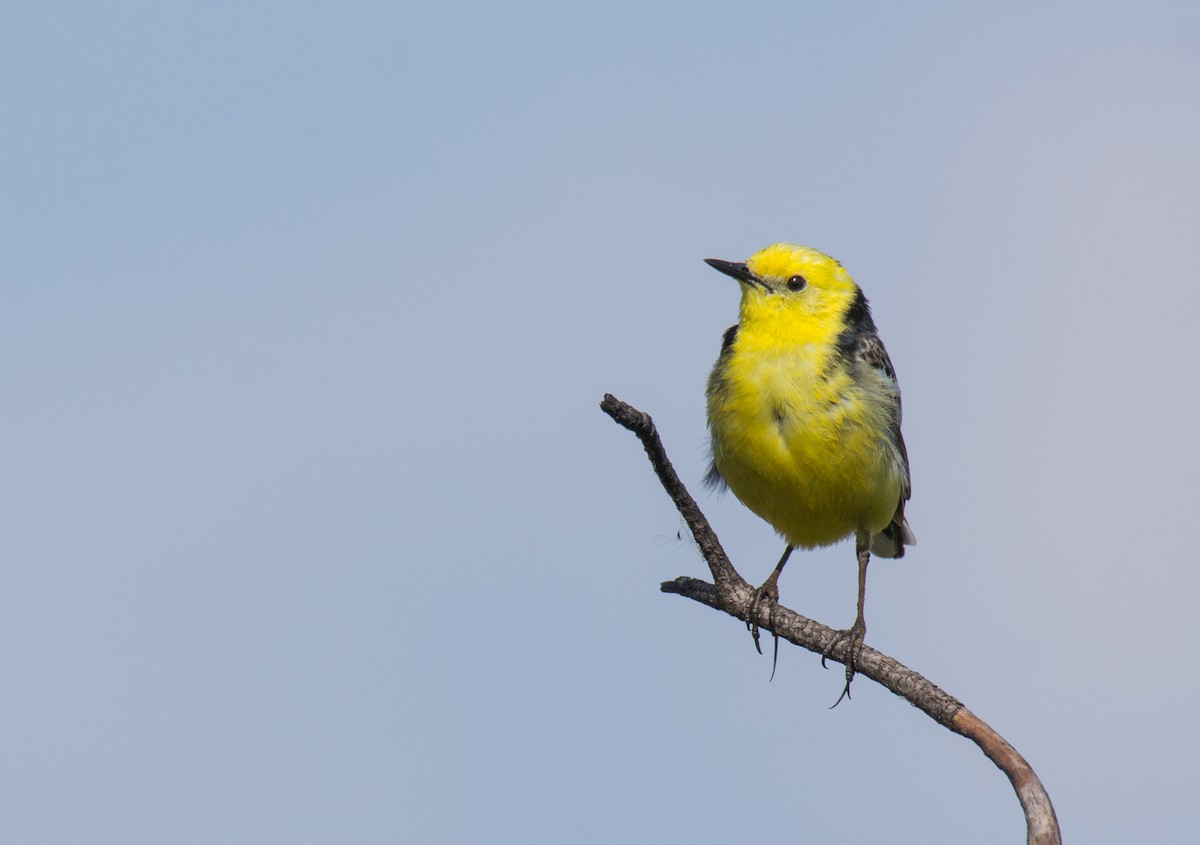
x,y
890,542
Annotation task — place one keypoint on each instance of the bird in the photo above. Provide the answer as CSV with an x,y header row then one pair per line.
x,y
804,419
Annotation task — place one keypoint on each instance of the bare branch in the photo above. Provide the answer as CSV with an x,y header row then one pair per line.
x,y
730,593
1040,821
723,573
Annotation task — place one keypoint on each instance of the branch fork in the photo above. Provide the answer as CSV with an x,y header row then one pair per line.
x,y
731,593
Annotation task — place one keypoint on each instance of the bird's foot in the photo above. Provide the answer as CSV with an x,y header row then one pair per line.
x,y
856,633
767,594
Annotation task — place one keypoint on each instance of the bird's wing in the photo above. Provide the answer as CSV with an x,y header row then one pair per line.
x,y
713,478
891,541
870,350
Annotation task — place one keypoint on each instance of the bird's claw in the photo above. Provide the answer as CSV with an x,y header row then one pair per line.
x,y
856,633
768,593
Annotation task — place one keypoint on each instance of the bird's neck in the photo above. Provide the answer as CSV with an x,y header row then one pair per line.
x,y
773,322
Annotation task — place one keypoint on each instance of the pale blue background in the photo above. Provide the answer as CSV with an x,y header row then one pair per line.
x,y
311,530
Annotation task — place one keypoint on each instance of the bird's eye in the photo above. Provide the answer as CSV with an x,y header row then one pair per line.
x,y
796,283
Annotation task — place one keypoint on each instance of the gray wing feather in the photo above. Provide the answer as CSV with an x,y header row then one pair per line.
x,y
890,542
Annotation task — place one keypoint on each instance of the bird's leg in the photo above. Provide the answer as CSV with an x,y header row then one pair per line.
x,y
858,631
769,592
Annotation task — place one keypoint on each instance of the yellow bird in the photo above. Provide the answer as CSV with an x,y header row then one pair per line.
x,y
804,414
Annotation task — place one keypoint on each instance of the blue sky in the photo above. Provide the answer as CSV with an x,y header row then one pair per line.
x,y
314,531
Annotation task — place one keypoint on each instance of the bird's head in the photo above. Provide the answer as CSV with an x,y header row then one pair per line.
x,y
789,281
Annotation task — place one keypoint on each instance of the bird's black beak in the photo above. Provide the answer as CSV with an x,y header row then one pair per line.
x,y
738,271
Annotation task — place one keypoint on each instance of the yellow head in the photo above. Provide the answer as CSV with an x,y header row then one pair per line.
x,y
786,285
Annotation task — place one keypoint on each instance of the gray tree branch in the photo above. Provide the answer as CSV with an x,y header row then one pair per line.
x,y
730,593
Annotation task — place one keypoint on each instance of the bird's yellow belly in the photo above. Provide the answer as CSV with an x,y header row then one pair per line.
x,y
811,456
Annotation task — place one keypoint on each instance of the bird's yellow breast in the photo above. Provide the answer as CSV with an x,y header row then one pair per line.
x,y
800,438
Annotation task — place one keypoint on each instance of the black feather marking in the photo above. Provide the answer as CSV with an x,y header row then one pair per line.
x,y
858,323
869,349
727,340
906,490
713,479
779,414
